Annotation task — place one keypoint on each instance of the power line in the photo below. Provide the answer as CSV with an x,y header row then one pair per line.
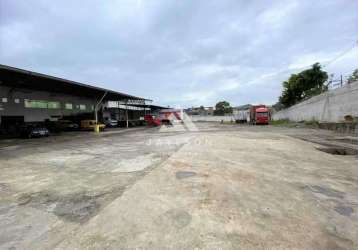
x,y
341,54
328,63
325,65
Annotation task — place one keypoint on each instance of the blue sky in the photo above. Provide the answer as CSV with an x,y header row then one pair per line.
x,y
180,53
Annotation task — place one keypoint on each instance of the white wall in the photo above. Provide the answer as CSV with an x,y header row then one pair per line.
x,y
330,106
211,118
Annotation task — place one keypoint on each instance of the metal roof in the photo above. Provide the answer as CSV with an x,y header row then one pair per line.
x,y
20,78
151,106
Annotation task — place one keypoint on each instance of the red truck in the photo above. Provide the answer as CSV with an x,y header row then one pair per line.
x,y
152,120
169,116
260,114
164,117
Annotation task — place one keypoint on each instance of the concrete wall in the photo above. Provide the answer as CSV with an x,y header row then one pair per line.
x,y
11,108
331,106
211,118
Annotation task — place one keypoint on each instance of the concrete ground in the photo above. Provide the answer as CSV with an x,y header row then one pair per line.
x,y
222,187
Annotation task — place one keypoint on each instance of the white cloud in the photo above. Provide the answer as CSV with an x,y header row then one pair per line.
x,y
277,14
228,85
307,60
198,96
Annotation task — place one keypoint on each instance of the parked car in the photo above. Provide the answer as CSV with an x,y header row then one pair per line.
x,y
90,125
69,125
31,131
111,123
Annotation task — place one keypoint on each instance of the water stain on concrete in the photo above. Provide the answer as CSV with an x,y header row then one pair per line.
x,y
180,218
75,208
177,218
4,188
344,210
184,174
328,191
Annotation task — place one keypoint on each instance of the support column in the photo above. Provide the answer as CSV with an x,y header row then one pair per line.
x,y
127,113
96,111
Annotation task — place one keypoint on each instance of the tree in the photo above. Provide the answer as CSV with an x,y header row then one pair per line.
x,y
353,77
303,85
278,106
222,108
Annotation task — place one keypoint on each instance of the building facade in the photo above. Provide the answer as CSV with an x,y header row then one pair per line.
x,y
30,97
29,105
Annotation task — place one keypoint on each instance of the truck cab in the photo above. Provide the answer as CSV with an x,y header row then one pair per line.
x,y
262,115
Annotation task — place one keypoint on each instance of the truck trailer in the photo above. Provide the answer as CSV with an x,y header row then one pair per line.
x,y
242,116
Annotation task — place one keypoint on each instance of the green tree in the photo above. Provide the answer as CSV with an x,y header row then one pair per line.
x,y
303,85
354,76
222,108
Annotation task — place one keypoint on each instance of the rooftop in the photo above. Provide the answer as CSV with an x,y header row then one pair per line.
x,y
20,78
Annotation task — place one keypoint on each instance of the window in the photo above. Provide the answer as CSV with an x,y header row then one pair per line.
x,y
68,106
40,104
35,104
82,107
53,105
17,100
262,114
4,99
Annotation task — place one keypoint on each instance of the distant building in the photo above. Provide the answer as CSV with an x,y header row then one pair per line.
x,y
203,111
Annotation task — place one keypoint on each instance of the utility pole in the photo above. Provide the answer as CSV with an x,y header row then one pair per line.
x,y
127,113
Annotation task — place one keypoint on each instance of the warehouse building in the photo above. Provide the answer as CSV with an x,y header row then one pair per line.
x,y
129,114
30,97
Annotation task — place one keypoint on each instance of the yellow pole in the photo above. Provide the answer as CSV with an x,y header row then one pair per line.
x,y
96,128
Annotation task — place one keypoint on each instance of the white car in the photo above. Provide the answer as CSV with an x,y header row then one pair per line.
x,y
111,123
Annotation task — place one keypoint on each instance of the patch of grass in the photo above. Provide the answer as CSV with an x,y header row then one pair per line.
x,y
291,124
312,124
227,122
283,122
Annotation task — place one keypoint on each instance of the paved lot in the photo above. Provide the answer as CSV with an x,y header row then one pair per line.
x,y
222,187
